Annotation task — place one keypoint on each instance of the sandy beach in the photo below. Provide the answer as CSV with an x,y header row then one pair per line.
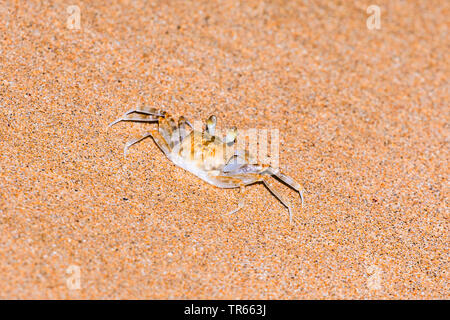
x,y
362,109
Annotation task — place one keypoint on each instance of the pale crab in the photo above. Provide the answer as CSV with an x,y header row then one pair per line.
x,y
204,153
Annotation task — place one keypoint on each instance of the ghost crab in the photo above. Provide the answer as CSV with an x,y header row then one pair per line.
x,y
204,154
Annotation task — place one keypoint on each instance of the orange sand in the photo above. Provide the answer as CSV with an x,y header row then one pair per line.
x,y
363,120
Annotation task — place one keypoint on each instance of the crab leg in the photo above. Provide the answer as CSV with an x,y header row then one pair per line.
x,y
182,122
135,119
167,126
159,140
279,198
241,200
144,115
287,180
147,111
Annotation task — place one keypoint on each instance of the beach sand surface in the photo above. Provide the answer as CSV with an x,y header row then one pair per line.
x,y
362,115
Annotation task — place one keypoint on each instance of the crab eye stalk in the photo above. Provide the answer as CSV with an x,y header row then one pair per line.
x,y
211,125
231,136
